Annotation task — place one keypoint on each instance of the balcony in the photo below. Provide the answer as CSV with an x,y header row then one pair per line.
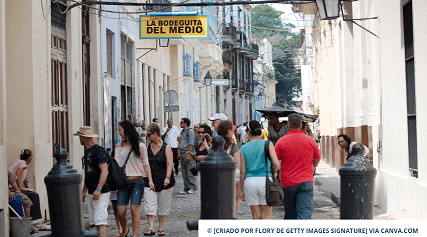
x,y
229,33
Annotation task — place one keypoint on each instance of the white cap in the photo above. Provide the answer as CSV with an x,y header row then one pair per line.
x,y
219,116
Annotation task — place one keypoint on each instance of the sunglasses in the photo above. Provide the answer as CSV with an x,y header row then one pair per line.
x,y
201,132
149,134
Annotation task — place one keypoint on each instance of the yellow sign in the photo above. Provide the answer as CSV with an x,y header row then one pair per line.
x,y
170,27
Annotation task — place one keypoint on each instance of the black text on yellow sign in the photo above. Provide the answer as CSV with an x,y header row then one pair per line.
x,y
155,27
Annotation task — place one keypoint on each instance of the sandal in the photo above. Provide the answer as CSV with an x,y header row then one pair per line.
x,y
161,233
149,232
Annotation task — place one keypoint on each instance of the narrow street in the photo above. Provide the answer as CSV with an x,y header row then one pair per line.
x,y
187,206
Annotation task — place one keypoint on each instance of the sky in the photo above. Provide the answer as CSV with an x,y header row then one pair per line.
x,y
289,15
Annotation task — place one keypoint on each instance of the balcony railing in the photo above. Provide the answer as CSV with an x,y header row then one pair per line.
x,y
228,30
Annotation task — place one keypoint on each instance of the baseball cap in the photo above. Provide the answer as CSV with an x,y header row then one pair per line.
x,y
219,116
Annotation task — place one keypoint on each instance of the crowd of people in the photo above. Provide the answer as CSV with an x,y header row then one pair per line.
x,y
152,156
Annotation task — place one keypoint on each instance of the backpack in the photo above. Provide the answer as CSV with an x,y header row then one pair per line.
x,y
116,175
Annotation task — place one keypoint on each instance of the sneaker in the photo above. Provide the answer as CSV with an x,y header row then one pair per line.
x,y
183,191
191,191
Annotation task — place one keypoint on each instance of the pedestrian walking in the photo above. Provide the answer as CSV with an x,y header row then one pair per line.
x,y
96,172
133,154
113,198
345,142
170,135
276,129
241,131
187,138
226,131
299,154
203,146
157,201
253,171
143,134
216,120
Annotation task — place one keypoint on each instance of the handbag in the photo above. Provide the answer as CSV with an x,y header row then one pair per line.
x,y
273,189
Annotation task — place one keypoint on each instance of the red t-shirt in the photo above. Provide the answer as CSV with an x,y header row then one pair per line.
x,y
296,151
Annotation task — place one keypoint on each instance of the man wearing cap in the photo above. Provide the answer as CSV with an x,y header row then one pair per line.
x,y
96,172
216,120
276,129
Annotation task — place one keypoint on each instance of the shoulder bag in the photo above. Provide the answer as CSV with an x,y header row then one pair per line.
x,y
273,189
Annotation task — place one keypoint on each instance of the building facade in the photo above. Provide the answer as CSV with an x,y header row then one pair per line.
x,y
51,65
264,78
368,84
239,53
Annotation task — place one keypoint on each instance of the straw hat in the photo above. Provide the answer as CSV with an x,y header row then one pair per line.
x,y
85,131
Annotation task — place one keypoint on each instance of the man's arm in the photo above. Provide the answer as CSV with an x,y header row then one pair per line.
x,y
191,139
102,180
165,133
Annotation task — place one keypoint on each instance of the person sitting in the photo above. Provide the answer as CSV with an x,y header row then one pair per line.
x,y
18,201
345,142
19,168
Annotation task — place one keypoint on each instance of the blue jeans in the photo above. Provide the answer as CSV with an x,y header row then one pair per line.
x,y
134,192
298,201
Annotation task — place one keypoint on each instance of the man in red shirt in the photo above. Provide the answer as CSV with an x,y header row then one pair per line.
x,y
299,155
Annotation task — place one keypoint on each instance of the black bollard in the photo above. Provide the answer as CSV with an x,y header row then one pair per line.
x,y
64,190
357,186
217,185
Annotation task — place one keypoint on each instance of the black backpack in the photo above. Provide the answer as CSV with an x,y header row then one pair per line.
x,y
116,175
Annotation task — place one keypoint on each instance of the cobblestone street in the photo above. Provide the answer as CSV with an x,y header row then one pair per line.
x,y
187,206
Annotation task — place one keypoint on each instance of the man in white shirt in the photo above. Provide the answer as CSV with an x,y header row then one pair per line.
x,y
170,135
241,131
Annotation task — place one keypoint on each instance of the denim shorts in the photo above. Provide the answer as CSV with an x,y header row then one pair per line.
x,y
134,192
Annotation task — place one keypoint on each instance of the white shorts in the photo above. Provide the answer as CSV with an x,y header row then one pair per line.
x,y
98,210
157,202
255,191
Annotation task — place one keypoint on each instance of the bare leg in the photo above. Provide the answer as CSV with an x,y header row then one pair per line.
x,y
27,212
118,226
121,214
256,212
161,222
102,229
136,222
151,220
266,212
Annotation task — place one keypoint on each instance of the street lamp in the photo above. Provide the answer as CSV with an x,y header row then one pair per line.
x,y
260,93
328,9
163,42
208,79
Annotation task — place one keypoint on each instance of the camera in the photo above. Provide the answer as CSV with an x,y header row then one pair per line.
x,y
194,171
206,138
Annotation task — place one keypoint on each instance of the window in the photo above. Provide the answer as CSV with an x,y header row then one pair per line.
x,y
410,88
110,53
143,91
59,91
126,76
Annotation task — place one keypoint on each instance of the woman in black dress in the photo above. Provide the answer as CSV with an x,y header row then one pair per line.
x,y
157,202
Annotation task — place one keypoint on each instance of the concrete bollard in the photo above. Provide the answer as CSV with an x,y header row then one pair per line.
x,y
218,186
63,185
357,186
